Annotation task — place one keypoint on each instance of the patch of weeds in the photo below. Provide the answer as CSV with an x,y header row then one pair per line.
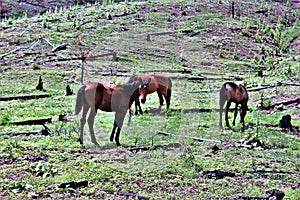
x,y
42,169
19,186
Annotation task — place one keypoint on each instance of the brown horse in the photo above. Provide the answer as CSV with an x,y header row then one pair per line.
x,y
118,99
157,83
232,92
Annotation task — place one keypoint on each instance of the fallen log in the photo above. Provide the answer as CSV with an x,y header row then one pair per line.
x,y
263,87
271,194
73,185
297,100
65,59
94,57
186,110
128,194
144,148
25,97
204,78
33,122
270,172
23,133
184,136
218,174
46,131
183,71
187,32
249,89
204,91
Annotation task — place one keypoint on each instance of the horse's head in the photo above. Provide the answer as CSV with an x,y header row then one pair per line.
x,y
144,89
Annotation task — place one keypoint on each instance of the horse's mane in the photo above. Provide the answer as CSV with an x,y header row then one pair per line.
x,y
134,84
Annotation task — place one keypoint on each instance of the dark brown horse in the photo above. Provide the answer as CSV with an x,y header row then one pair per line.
x,y
118,99
157,83
232,92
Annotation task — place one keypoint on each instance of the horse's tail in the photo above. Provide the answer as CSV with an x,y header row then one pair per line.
x,y
222,96
222,102
169,93
79,99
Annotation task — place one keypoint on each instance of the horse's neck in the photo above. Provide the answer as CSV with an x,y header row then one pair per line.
x,y
130,90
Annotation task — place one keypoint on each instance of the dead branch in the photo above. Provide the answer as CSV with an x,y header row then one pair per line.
x,y
128,194
59,47
78,27
93,57
25,97
65,59
183,136
46,40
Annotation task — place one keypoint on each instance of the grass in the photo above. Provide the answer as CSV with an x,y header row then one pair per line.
x,y
34,166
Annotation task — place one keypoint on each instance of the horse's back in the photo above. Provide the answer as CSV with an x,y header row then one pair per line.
x,y
98,95
236,93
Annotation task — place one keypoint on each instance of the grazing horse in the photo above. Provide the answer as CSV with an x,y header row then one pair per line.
x,y
156,83
118,99
232,92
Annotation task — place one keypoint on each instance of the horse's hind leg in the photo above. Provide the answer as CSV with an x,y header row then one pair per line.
x,y
83,121
160,96
235,114
112,135
119,118
91,124
168,98
226,113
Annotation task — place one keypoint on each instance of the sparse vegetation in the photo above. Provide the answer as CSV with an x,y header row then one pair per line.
x,y
204,44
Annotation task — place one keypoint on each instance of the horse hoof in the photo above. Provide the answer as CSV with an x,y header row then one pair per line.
x,y
80,140
118,143
96,143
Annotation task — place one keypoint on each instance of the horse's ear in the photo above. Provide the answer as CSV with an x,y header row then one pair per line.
x,y
141,81
149,80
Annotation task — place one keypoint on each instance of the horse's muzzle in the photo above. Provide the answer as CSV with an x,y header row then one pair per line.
x,y
143,100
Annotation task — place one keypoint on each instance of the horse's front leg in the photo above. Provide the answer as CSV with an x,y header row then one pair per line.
x,y
138,108
235,114
129,118
243,114
119,118
91,126
226,113
113,131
